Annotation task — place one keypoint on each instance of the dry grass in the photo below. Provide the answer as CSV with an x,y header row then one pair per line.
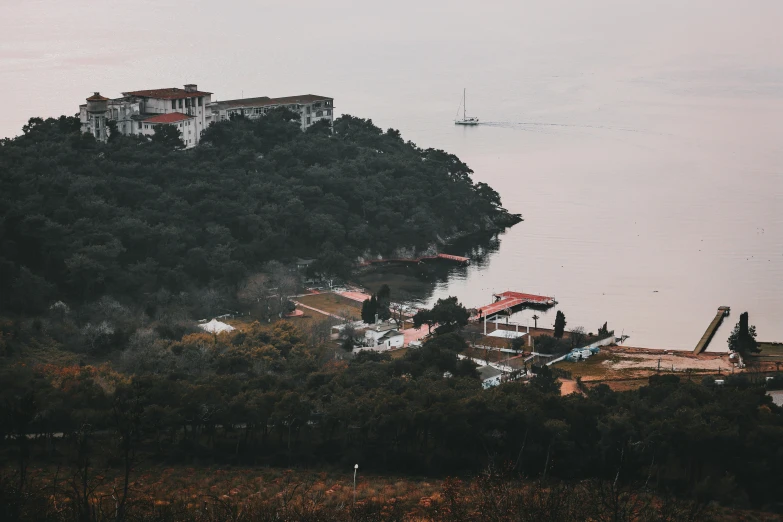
x,y
594,369
331,303
771,350
398,353
194,485
624,364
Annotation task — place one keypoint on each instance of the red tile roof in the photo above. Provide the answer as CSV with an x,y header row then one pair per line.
x,y
305,98
244,102
171,93
265,101
97,97
172,117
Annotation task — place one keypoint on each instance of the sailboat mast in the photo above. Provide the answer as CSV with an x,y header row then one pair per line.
x,y
464,109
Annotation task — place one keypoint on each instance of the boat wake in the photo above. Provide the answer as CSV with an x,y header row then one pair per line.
x,y
536,126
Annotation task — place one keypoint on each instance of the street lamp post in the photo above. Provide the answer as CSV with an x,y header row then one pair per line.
x,y
355,469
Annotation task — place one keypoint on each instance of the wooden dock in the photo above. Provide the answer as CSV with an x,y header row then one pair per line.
x,y
723,311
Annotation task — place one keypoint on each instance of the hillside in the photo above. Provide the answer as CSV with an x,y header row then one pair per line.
x,y
80,219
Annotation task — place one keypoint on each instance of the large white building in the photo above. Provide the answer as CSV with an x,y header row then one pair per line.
x,y
310,107
190,110
139,112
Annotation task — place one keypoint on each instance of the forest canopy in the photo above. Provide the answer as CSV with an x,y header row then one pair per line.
x,y
80,219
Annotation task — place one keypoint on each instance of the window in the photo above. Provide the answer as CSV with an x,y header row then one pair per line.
x,y
317,104
146,126
173,104
318,114
139,125
328,112
180,103
327,103
308,120
307,110
200,101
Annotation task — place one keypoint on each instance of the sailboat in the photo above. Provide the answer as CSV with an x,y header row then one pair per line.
x,y
465,120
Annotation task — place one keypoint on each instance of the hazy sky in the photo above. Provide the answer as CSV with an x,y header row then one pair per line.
x,y
371,56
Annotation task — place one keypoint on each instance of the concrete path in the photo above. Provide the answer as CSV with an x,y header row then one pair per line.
x,y
297,303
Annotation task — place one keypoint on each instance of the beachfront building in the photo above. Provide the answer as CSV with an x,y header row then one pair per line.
x,y
140,112
310,107
383,337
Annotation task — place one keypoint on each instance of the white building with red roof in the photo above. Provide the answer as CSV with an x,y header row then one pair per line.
x,y
140,112
191,111
310,107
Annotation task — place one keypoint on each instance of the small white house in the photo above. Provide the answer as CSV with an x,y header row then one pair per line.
x,y
384,336
489,376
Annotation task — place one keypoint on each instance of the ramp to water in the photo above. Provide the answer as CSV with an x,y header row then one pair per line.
x,y
723,311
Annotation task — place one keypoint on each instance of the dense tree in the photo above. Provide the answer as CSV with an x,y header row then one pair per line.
x,y
383,297
577,336
168,136
422,317
368,310
743,337
560,324
604,329
81,219
449,314
261,396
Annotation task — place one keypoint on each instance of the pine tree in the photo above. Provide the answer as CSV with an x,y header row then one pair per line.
x,y
560,324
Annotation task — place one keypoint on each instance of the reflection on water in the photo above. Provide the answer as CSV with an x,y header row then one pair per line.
x,y
416,283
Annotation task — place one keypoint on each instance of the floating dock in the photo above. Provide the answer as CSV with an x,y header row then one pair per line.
x,y
448,257
508,300
723,311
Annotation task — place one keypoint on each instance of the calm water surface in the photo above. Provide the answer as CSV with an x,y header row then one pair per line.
x,y
641,141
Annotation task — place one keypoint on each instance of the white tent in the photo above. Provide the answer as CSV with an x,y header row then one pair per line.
x,y
215,326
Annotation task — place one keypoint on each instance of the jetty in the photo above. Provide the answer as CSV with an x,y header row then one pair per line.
x,y
723,311
508,300
448,257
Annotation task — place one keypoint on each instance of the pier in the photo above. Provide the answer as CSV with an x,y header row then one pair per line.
x,y
508,300
448,257
723,311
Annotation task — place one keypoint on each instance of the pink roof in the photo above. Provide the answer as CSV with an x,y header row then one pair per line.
x,y
526,297
511,299
171,93
172,117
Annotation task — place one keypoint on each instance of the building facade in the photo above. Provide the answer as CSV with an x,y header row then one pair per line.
x,y
383,337
139,112
191,111
310,107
